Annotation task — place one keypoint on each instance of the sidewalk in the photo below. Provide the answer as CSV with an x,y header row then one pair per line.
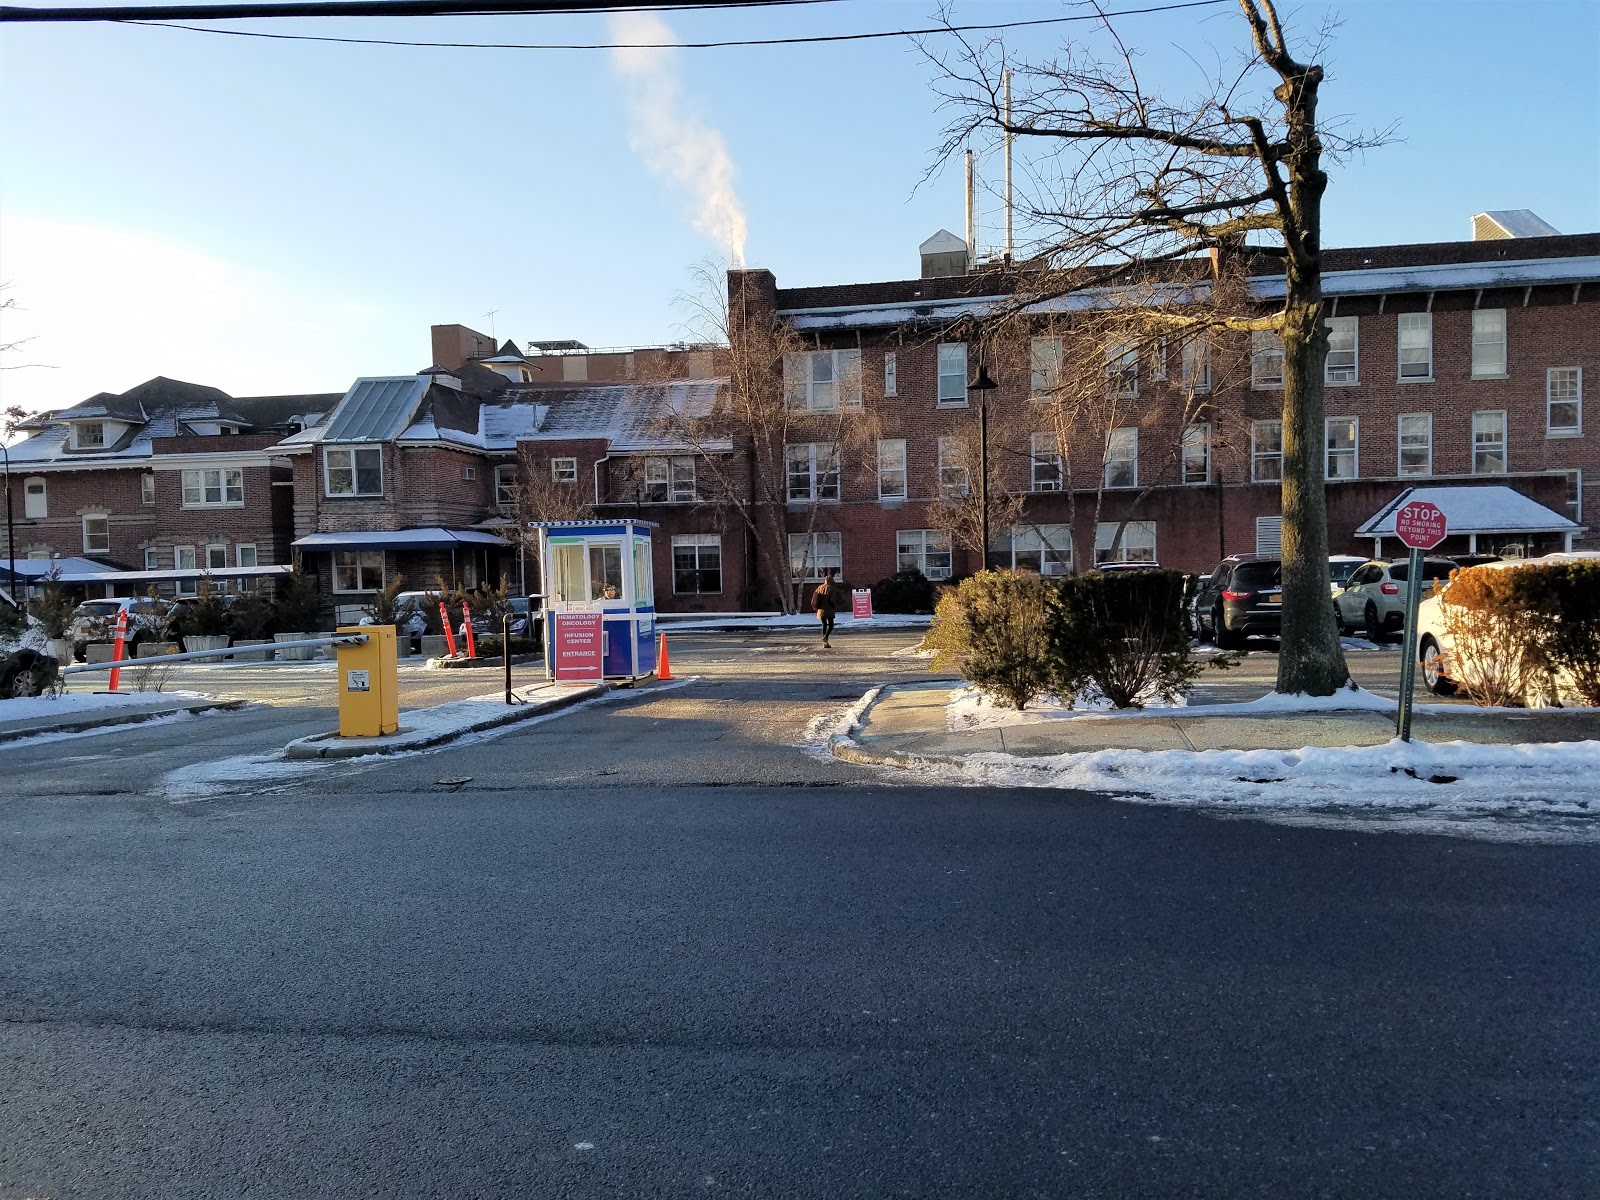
x,y
130,710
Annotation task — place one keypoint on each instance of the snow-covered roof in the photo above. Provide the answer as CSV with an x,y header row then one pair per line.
x,y
631,416
1474,509
431,537
1444,277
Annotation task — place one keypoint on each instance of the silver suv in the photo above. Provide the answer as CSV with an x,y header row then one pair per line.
x,y
96,621
1374,598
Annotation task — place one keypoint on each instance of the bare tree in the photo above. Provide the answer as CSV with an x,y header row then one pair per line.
x,y
538,497
1128,187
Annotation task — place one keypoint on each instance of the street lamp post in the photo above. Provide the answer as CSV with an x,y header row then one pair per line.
x,y
983,385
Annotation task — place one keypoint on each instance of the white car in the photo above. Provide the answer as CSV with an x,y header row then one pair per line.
x,y
1433,634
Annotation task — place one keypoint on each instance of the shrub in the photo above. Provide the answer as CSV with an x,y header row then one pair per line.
x,y
1124,631
1491,657
995,628
1560,607
250,615
383,609
53,606
297,608
206,615
908,591
489,646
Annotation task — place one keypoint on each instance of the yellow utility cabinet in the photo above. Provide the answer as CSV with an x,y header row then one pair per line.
x,y
369,689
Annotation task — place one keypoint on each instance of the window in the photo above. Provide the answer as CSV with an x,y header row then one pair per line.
x,y
669,480
1044,355
891,381
97,534
1342,447
1122,458
1125,541
213,489
35,501
1122,369
1046,463
925,550
1269,535
892,469
147,488
353,472
696,564
953,373
216,557
1563,402
952,467
1489,343
1158,359
822,380
564,470
152,559
89,435
1416,443
1266,359
183,559
1416,346
245,555
1266,451
505,485
813,471
1046,549
1341,366
357,570
1574,503
1197,365
812,553
1489,443
1197,453
605,569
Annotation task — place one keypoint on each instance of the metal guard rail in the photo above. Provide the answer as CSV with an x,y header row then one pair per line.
x,y
155,660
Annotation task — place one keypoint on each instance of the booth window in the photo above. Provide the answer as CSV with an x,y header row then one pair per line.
x,y
605,570
644,579
570,580
697,564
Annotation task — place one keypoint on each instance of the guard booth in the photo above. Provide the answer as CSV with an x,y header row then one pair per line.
x,y
599,599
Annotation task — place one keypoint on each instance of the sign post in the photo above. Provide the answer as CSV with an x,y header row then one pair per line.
x,y
1421,526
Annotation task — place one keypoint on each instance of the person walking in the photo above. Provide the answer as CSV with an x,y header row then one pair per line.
x,y
827,600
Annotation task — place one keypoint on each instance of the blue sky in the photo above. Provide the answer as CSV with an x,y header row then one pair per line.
x,y
276,216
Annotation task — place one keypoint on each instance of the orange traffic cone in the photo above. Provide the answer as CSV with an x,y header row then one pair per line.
x,y
663,663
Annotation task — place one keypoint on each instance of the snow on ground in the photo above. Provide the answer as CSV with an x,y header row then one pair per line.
x,y
67,705
799,621
1355,643
971,707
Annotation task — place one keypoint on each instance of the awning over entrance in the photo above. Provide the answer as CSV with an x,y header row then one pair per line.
x,y
431,537
1478,510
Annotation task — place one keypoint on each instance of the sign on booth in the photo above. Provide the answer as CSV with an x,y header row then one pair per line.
x,y
578,645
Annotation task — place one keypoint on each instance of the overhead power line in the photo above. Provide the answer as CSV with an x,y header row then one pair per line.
x,y
373,8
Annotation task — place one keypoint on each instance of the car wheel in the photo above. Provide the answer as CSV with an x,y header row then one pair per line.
x,y
1375,627
1433,676
80,651
1223,637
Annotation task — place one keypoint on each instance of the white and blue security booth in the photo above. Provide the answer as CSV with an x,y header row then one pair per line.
x,y
599,598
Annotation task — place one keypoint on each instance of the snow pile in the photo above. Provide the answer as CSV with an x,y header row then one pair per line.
x,y
972,708
67,705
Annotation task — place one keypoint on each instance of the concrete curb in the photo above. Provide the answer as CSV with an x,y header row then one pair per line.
x,y
109,719
844,746
328,745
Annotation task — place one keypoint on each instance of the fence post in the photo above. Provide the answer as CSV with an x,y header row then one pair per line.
x,y
449,634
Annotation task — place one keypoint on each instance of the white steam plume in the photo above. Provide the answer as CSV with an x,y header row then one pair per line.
x,y
671,141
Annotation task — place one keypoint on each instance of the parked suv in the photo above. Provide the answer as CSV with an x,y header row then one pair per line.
x,y
1242,598
96,621
1375,597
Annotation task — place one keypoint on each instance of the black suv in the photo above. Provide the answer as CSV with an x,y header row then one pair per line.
x,y
1243,597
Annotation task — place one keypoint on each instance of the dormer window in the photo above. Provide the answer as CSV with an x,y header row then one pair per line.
x,y
89,435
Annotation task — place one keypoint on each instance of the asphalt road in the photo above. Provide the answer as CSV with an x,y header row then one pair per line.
x,y
652,949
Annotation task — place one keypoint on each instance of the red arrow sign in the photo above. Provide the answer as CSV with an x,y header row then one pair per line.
x,y
1420,525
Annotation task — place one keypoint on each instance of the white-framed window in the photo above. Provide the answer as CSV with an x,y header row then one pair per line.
x,y
1197,453
1266,451
812,553
823,380
1269,535
696,564
216,557
89,435
1196,357
1125,541
952,467
1563,402
952,373
1489,442
505,485
353,471
564,470
1574,498
1044,360
1158,358
35,498
925,550
1343,365
1122,368
1122,457
1044,549
1047,472
1266,359
1343,441
892,469
813,471
152,559
184,558
1489,343
669,480
358,570
223,488
1416,444
147,488
96,534
891,375
468,474
1416,346
245,555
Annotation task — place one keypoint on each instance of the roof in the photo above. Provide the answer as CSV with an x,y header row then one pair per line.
x,y
943,242
1520,222
375,409
431,537
105,406
72,570
631,416
1474,509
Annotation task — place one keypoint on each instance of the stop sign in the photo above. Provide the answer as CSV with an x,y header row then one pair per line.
x,y
1420,525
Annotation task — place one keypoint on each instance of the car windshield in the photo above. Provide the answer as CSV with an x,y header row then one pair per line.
x,y
1340,572
1256,575
1430,570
